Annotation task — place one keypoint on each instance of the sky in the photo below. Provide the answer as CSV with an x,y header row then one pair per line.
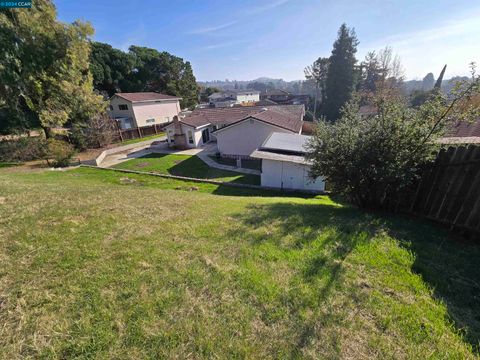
x,y
247,39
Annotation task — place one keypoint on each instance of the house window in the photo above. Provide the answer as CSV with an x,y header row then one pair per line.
x,y
190,136
167,118
171,136
150,121
123,107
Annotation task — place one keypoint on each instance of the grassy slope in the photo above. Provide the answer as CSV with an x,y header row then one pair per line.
x,y
9,164
185,165
94,264
145,138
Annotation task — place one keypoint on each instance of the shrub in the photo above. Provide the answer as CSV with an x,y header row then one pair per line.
x,y
22,149
374,159
97,132
59,153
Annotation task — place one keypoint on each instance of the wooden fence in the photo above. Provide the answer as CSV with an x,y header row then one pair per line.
x,y
138,133
449,190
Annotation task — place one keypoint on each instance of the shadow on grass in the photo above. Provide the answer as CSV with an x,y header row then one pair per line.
x,y
448,265
294,229
192,166
226,190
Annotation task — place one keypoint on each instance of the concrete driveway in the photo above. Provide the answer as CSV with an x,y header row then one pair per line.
x,y
162,148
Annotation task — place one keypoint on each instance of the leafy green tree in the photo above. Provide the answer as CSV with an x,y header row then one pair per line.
x,y
109,67
373,159
44,76
317,72
370,72
162,72
341,79
419,97
380,71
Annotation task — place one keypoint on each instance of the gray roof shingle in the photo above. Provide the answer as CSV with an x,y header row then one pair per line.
x,y
289,117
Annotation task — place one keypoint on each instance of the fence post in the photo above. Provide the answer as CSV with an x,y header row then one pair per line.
x,y
119,131
139,132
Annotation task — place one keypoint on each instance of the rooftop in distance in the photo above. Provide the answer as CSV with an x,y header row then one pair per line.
x,y
146,96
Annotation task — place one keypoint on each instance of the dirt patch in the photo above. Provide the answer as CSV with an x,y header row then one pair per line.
x,y
142,165
126,180
187,188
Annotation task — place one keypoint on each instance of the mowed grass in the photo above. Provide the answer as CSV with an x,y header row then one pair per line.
x,y
96,264
185,165
9,164
145,138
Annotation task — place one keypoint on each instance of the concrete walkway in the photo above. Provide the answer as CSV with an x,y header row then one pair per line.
x,y
205,157
117,158
203,153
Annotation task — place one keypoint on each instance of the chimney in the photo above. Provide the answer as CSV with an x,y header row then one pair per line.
x,y
180,142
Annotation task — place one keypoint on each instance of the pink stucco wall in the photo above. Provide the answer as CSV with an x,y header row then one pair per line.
x,y
162,112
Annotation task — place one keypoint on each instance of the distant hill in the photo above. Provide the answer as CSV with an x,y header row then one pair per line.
x,y
306,87
295,86
447,85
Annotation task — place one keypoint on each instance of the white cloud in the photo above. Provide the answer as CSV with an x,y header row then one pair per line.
x,y
210,29
266,7
452,42
222,45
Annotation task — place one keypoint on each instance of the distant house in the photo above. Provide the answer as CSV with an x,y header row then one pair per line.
x,y
284,165
132,110
283,97
275,95
237,131
229,98
462,132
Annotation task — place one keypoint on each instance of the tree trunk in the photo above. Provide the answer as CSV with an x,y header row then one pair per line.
x,y
315,103
48,132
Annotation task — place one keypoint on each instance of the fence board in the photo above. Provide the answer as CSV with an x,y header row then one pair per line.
x,y
449,190
138,133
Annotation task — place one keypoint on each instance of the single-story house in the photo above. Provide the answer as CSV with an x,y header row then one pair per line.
x,y
132,110
238,131
284,165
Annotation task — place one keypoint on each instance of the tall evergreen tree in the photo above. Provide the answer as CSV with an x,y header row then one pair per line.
x,y
342,72
428,82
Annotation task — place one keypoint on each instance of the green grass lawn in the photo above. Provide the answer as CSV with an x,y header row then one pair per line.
x,y
100,264
145,138
9,164
185,165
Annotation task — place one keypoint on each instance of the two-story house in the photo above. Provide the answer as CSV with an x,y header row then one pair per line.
x,y
132,110
229,98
